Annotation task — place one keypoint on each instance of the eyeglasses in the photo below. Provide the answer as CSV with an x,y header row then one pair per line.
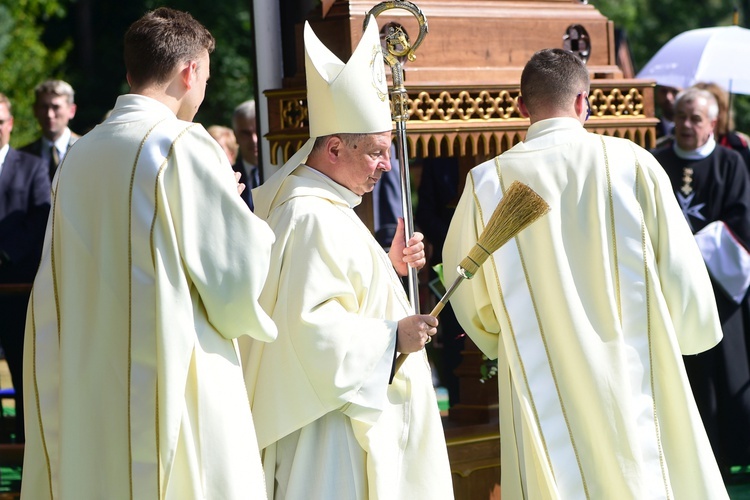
x,y
588,105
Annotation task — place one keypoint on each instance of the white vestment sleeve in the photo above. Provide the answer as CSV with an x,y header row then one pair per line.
x,y
727,260
211,264
333,339
471,302
684,280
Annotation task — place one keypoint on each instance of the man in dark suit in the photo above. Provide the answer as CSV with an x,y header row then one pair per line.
x,y
24,207
245,130
54,107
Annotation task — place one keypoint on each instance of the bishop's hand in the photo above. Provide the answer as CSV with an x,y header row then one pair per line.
x,y
403,257
414,332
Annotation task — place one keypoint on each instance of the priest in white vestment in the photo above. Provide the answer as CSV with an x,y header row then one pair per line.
x,y
589,309
332,419
133,382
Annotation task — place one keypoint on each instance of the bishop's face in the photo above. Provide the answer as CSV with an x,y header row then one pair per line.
x,y
364,162
692,125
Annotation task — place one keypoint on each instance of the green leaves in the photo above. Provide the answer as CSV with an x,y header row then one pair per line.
x,y
25,59
438,268
649,24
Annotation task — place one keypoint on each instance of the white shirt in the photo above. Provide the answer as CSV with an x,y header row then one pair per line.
x,y
61,144
3,153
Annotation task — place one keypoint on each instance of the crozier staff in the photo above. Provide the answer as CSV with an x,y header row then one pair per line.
x,y
330,421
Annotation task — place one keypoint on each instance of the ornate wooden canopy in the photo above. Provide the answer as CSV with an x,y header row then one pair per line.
x,y
464,83
474,121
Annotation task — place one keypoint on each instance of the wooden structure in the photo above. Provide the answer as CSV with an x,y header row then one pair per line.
x,y
464,83
463,87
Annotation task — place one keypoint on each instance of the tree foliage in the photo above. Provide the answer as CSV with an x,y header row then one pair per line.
x,y
650,24
25,59
80,41
100,76
232,63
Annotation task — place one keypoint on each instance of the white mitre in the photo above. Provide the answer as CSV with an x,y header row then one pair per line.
x,y
349,98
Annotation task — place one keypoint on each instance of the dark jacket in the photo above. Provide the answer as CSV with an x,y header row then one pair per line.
x,y
24,207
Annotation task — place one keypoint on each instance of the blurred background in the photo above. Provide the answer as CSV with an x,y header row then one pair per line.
x,y
80,41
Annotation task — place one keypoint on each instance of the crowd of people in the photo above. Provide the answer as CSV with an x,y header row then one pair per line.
x,y
196,330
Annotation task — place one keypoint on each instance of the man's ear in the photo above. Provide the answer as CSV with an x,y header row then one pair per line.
x,y
580,104
334,147
187,74
522,107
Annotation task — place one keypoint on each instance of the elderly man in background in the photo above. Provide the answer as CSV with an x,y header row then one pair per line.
x,y
712,186
244,126
589,309
54,107
332,419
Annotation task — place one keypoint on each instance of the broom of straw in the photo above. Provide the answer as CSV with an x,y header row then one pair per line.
x,y
520,206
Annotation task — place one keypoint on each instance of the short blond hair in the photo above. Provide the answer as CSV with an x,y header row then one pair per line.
x,y
55,87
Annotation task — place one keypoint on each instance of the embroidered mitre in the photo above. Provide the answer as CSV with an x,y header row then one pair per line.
x,y
347,98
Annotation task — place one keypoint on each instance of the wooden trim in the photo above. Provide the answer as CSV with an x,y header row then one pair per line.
x,y
10,289
476,121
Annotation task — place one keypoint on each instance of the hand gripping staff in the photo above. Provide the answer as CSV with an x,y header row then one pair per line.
x,y
398,47
519,207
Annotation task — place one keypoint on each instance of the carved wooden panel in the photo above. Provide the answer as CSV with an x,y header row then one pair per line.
x,y
474,121
474,454
482,42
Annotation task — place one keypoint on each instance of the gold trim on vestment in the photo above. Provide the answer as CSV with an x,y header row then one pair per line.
x,y
57,315
159,175
647,284
612,230
36,394
130,309
549,359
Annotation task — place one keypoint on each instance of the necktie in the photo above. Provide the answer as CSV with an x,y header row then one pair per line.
x,y
254,177
54,160
253,181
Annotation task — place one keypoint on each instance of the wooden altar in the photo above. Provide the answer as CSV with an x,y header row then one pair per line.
x,y
462,89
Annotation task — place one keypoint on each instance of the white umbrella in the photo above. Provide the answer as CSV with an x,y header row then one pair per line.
x,y
720,55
